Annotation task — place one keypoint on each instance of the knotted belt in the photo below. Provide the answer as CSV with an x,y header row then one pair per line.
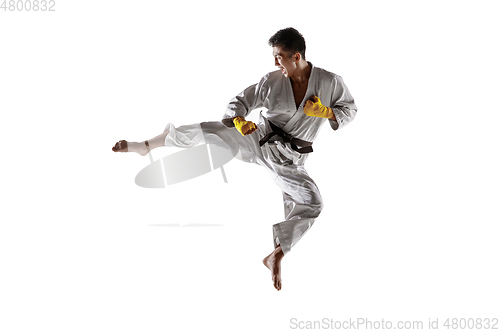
x,y
294,142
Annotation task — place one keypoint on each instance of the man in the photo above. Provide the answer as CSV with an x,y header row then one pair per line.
x,y
298,99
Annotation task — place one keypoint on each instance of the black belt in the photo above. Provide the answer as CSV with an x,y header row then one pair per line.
x,y
294,142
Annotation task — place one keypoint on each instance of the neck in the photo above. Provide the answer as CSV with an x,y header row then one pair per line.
x,y
302,73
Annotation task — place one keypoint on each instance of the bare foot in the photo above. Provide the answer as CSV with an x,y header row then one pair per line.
x,y
273,262
120,146
124,146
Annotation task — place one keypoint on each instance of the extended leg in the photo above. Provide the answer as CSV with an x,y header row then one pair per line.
x,y
182,137
142,148
245,148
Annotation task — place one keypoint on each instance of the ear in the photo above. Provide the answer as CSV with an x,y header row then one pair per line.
x,y
296,57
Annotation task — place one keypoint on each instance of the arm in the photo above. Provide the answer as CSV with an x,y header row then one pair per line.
x,y
342,110
342,104
249,99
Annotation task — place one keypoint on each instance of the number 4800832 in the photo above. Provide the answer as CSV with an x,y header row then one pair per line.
x,y
28,5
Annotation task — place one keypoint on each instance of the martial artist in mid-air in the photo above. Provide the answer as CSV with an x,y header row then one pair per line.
x,y
298,99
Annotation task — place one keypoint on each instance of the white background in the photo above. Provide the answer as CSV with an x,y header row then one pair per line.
x,y
411,187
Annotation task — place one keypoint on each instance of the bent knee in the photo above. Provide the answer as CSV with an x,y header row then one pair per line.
x,y
317,204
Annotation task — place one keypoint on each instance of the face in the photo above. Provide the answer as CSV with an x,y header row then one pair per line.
x,y
285,63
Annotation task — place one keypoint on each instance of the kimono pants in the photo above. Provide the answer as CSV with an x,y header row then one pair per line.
x,y
301,197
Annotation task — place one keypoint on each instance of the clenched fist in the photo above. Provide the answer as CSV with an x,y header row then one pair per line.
x,y
243,126
314,108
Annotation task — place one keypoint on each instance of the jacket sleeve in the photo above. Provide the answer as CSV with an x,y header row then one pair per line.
x,y
342,104
249,99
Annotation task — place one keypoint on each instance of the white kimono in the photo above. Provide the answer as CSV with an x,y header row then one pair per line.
x,y
301,196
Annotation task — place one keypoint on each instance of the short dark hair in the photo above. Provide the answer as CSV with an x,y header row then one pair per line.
x,y
290,40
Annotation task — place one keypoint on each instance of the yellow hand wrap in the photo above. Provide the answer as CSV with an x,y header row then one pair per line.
x,y
314,108
243,126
